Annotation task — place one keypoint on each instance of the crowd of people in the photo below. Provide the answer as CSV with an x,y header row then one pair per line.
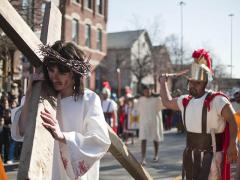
x,y
142,116
9,149
204,115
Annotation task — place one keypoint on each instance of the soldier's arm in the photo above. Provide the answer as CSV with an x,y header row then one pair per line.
x,y
167,99
228,114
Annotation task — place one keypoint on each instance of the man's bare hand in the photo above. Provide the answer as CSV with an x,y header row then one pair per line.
x,y
51,124
232,153
163,78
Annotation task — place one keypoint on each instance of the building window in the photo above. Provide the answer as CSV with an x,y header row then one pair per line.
x,y
99,4
76,1
43,8
88,35
25,3
99,39
75,30
88,4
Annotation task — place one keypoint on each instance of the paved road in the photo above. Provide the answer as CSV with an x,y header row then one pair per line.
x,y
168,167
169,164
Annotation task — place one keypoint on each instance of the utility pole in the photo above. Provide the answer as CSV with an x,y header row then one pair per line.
x,y
181,3
119,82
231,17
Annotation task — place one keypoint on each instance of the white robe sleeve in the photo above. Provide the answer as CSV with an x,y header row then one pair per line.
x,y
86,148
15,115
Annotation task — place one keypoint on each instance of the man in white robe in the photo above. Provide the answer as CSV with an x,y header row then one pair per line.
x,y
149,109
85,129
79,128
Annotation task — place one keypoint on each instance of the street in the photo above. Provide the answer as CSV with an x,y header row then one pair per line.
x,y
168,167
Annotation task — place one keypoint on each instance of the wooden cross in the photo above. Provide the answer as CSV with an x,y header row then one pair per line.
x,y
37,150
36,156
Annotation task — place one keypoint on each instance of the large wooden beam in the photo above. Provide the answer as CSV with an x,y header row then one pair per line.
x,y
19,32
37,152
52,24
125,157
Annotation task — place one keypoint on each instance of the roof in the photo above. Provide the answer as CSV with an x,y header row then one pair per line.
x,y
124,39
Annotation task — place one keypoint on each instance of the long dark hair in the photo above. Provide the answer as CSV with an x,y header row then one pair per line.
x,y
68,51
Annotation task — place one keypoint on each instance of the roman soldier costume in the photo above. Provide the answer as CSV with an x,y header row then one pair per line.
x,y
207,132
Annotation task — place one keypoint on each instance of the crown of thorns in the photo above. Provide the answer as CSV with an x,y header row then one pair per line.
x,y
80,65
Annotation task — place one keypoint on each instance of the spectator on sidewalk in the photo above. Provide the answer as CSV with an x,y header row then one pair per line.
x,y
110,108
15,147
5,134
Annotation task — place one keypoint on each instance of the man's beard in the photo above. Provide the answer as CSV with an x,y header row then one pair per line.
x,y
193,92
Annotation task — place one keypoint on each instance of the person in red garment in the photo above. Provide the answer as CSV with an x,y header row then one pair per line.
x,y
208,118
109,107
3,175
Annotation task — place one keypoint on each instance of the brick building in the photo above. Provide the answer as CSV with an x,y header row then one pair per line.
x,y
83,22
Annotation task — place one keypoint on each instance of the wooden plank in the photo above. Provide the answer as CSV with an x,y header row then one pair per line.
x,y
37,152
20,33
125,158
51,29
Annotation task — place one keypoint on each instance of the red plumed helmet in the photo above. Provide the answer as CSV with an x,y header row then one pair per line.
x,y
106,84
201,56
128,92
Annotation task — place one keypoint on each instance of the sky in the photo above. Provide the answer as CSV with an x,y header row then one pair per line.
x,y
206,24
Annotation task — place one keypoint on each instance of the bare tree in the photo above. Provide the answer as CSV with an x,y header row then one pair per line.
x,y
173,46
140,67
220,71
153,27
172,43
